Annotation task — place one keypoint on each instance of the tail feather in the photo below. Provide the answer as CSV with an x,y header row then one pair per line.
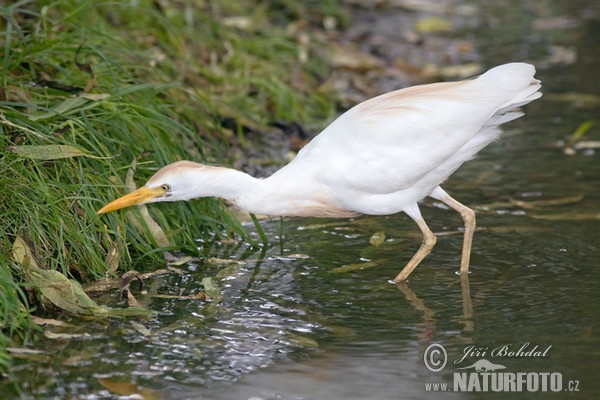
x,y
518,82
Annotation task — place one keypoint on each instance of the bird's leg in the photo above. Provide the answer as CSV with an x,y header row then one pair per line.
x,y
427,244
468,217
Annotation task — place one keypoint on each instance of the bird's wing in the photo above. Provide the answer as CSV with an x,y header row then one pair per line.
x,y
390,142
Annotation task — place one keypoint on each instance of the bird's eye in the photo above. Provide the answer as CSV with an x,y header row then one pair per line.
x,y
166,188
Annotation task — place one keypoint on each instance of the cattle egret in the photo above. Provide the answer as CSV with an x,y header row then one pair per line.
x,y
380,157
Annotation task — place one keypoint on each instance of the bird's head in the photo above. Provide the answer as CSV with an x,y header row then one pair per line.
x,y
177,181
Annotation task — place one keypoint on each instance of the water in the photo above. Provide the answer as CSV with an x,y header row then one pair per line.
x,y
291,326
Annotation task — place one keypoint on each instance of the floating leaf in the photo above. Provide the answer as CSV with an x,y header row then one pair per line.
x,y
353,267
180,260
198,296
49,152
546,203
377,238
66,336
128,312
141,328
569,216
461,71
303,341
50,321
222,261
580,131
23,350
212,290
587,144
129,389
517,229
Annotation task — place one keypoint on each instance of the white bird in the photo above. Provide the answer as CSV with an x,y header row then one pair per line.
x,y
381,157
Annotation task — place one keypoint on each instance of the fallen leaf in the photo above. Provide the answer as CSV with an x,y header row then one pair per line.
x,y
568,216
179,260
581,130
351,57
377,239
238,22
198,296
23,350
66,336
61,108
129,389
66,294
547,202
434,25
517,229
113,258
302,341
221,261
587,144
141,328
49,152
212,290
23,254
50,321
354,267
95,96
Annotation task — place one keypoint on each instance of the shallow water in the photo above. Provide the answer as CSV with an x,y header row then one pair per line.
x,y
291,326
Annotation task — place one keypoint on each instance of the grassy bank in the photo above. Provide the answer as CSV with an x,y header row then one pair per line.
x,y
91,90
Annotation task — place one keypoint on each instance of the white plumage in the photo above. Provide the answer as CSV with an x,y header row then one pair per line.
x,y
380,157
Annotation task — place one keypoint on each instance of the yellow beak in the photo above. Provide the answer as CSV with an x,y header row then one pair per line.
x,y
140,196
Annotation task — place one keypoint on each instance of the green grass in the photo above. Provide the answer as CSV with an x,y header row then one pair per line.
x,y
118,84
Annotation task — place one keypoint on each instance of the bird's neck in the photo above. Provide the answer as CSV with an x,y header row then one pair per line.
x,y
254,195
246,192
281,194
229,184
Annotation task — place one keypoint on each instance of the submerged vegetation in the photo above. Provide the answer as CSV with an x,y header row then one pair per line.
x,y
93,89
